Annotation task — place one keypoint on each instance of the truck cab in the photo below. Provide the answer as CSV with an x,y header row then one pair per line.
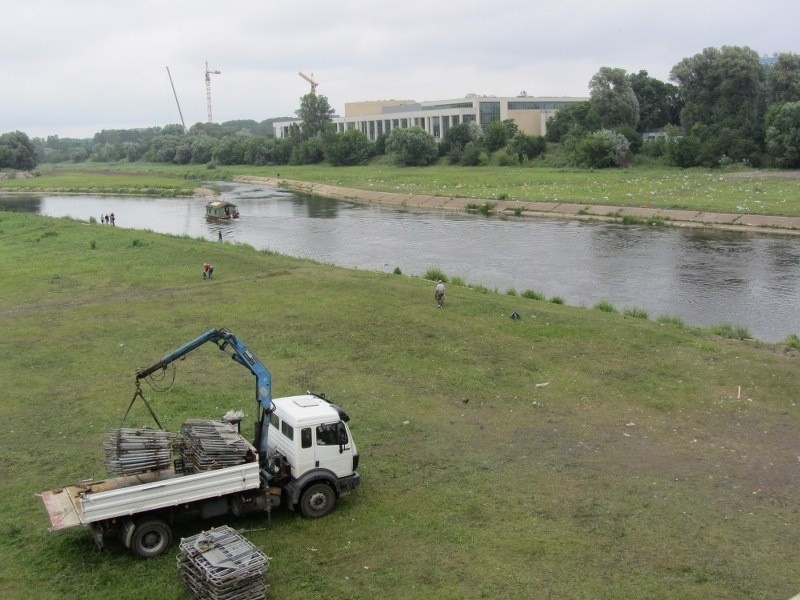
x,y
313,439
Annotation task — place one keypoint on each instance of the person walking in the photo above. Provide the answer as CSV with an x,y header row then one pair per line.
x,y
220,235
208,270
439,294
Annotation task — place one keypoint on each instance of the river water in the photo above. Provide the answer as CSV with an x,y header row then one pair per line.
x,y
705,277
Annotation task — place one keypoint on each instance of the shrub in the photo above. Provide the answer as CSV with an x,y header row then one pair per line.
x,y
734,332
435,274
397,271
511,292
670,320
792,341
636,313
605,306
458,281
533,295
557,300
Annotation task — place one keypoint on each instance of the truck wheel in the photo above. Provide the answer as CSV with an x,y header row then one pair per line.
x,y
151,538
317,500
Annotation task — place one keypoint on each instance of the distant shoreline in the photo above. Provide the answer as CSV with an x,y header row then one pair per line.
x,y
771,224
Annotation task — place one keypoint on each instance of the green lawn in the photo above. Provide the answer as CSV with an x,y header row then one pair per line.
x,y
573,453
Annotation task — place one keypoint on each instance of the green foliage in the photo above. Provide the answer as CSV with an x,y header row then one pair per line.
x,y
613,98
17,152
783,79
636,313
574,120
602,149
435,274
605,306
783,134
527,147
456,280
411,147
347,149
308,152
729,330
792,341
533,295
557,300
315,112
495,136
660,103
670,320
472,154
511,292
397,271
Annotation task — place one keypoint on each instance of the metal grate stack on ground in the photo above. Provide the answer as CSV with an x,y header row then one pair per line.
x,y
220,564
207,445
130,451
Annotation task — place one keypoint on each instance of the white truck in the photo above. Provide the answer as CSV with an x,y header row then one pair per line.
x,y
303,456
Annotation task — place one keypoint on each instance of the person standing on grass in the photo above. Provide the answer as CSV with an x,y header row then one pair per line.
x,y
208,270
439,294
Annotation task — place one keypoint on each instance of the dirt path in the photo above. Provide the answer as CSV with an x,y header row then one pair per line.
x,y
565,210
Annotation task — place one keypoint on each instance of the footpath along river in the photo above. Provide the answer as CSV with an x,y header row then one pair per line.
x,y
704,276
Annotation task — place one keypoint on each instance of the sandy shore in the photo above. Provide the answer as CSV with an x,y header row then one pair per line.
x,y
562,210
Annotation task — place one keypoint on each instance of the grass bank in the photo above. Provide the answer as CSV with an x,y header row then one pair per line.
x,y
742,192
571,453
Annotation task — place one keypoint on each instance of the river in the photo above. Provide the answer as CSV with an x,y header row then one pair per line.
x,y
705,277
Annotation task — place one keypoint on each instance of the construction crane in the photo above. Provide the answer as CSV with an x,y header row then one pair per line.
x,y
180,112
208,89
310,79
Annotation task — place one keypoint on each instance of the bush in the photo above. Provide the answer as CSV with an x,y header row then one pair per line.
x,y
605,306
557,300
636,313
728,330
435,274
533,295
670,320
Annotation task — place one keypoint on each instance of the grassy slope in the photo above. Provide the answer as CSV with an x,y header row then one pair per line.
x,y
658,461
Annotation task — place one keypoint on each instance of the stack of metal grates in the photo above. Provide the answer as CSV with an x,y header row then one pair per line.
x,y
220,564
131,451
207,445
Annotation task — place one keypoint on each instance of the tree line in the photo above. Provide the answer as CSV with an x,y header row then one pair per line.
x,y
723,106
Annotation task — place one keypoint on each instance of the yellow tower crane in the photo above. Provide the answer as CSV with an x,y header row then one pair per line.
x,y
208,89
310,79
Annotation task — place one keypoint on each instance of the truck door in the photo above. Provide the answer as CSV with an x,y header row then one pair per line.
x,y
334,448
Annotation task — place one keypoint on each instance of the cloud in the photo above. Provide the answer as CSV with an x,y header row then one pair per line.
x,y
79,67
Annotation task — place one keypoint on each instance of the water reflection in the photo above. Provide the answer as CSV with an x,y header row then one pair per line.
x,y
705,277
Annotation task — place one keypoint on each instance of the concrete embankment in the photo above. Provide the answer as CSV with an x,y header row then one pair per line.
x,y
565,210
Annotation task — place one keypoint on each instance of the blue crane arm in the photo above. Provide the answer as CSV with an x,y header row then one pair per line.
x,y
240,353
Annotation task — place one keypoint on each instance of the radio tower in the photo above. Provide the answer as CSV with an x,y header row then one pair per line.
x,y
208,89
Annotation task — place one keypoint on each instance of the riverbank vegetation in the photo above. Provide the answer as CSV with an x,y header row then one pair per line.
x,y
569,453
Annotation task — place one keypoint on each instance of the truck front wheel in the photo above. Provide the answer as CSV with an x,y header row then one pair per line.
x,y
317,500
151,537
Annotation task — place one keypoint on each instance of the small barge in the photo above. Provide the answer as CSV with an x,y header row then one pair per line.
x,y
220,209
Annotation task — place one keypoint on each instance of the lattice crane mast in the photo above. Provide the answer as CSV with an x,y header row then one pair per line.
x,y
208,89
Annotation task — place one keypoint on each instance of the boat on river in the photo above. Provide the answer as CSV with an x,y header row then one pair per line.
x,y
221,209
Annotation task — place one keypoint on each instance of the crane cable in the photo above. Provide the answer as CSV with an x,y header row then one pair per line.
x,y
138,394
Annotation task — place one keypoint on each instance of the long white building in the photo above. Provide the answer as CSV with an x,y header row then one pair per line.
x,y
377,117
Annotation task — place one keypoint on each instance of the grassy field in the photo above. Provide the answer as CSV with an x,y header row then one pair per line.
x,y
767,192
573,453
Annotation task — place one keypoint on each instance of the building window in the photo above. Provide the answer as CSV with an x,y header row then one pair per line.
x,y
436,127
380,127
396,123
372,130
489,113
445,125
404,123
468,119
455,120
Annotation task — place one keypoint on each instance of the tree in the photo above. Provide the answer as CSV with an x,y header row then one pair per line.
x,y
17,152
412,147
315,113
613,98
455,139
575,120
497,134
783,134
659,102
783,79
719,86
346,149
230,150
602,149
526,147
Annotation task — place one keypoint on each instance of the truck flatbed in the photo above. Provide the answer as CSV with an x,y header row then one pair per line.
x,y
132,494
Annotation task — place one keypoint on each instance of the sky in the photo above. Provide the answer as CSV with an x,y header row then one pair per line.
x,y
74,68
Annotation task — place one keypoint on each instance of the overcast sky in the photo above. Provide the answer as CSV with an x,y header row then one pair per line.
x,y
73,68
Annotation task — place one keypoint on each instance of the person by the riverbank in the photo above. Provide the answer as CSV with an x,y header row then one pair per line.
x,y
439,294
